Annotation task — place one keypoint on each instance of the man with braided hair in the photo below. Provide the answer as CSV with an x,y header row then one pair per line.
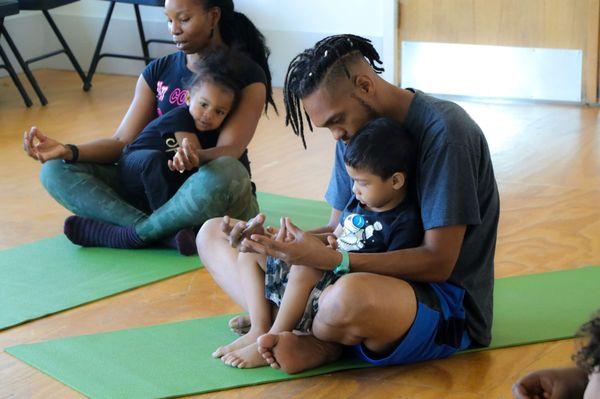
x,y
401,306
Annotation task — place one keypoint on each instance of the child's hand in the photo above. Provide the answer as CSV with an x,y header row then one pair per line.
x,y
241,230
186,158
332,241
293,246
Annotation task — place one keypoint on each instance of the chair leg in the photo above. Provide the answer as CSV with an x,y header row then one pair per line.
x,y
64,44
24,66
96,58
140,26
15,78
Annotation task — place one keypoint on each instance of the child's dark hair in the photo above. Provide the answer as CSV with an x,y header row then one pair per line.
x,y
239,32
383,148
221,67
309,68
588,357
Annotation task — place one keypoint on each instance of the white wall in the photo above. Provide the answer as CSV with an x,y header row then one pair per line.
x,y
493,71
289,26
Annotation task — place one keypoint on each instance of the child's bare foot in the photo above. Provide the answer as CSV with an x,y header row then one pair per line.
x,y
241,342
245,358
240,324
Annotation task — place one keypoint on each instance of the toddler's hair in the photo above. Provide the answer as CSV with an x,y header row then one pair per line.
x,y
383,148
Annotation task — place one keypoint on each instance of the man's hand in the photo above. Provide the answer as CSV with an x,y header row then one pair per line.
x,y
297,248
568,383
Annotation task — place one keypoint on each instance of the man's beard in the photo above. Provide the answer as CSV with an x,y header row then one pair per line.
x,y
371,113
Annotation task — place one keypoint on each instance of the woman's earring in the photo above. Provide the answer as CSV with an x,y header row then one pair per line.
x,y
212,33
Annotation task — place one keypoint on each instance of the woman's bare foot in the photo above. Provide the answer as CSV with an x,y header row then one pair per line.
x,y
240,324
245,358
295,353
241,342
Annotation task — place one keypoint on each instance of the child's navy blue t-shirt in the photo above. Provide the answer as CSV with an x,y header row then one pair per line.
x,y
160,134
369,231
169,76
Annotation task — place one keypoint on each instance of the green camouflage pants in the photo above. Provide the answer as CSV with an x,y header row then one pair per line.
x,y
220,187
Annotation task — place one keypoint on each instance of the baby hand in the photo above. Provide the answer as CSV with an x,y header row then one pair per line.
x,y
186,158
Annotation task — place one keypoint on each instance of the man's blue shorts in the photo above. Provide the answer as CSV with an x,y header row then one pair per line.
x,y
438,331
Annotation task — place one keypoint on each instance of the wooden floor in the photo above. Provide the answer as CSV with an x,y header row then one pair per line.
x,y
547,163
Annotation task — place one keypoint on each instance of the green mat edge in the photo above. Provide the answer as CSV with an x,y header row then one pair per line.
x,y
306,374
2,329
318,371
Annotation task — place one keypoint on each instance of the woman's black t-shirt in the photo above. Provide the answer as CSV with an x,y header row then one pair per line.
x,y
168,76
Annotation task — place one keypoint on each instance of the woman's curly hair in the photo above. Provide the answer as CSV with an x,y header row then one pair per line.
x,y
588,357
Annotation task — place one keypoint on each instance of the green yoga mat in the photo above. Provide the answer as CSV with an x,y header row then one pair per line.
x,y
52,275
306,214
174,359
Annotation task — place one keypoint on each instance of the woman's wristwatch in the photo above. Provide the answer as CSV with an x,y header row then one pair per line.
x,y
74,153
344,266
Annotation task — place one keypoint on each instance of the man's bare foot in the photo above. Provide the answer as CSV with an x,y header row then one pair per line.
x,y
241,342
240,324
295,353
245,358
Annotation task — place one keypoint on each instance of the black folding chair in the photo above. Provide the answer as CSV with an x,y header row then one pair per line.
x,y
44,6
10,7
146,53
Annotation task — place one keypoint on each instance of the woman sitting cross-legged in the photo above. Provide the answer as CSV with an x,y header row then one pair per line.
x,y
85,178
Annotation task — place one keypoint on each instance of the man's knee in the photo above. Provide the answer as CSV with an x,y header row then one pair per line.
x,y
339,316
341,303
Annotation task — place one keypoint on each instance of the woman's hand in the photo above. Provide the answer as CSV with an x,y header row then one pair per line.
x,y
295,247
43,148
187,157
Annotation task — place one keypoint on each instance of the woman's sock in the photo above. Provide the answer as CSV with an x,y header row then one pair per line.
x,y
184,241
92,233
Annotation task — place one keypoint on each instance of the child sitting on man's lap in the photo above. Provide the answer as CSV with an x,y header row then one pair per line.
x,y
381,216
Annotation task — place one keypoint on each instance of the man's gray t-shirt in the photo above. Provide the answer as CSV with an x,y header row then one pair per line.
x,y
455,186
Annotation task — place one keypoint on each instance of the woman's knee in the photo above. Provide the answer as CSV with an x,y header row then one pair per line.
x,y
224,169
226,162
224,180
52,172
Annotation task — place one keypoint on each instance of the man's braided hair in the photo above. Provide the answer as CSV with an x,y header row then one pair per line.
x,y
308,69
